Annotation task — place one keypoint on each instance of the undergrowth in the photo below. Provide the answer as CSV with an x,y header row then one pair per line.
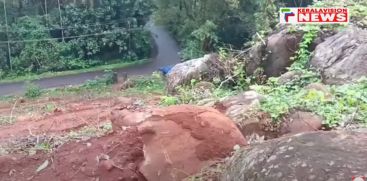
x,y
338,105
191,94
32,90
147,85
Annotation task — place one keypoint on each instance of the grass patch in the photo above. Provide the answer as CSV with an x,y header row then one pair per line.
x,y
100,86
88,91
7,99
7,120
72,72
45,143
169,101
147,85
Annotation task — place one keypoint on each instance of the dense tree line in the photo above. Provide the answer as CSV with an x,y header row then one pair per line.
x,y
203,25
77,34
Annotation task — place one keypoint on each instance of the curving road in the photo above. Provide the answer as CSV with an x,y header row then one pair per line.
x,y
166,53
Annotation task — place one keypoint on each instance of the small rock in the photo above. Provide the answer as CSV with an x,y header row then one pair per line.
x,y
107,165
57,110
203,85
126,85
132,166
300,122
289,77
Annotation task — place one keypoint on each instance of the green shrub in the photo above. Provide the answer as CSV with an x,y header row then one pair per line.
x,y
169,101
110,77
147,85
32,91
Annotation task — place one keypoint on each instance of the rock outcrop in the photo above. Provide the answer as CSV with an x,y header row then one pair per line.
x,y
342,58
280,48
274,54
180,140
206,69
316,156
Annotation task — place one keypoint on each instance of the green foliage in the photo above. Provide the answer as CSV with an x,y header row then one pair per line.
x,y
266,17
110,77
190,94
96,34
348,100
242,80
337,105
303,54
169,101
146,85
122,19
200,41
201,26
32,91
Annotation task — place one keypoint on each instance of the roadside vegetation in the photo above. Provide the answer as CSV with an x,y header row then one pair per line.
x,y
205,26
30,77
44,39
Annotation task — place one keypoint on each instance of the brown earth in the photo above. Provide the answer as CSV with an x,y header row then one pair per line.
x,y
65,116
147,142
113,157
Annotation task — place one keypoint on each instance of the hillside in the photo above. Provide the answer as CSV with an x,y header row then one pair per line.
x,y
251,99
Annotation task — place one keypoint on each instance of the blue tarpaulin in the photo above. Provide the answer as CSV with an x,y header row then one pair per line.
x,y
166,69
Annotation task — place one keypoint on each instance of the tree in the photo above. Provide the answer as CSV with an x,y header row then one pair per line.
x,y
79,34
236,20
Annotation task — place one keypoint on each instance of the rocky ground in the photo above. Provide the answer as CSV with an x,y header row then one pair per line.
x,y
308,130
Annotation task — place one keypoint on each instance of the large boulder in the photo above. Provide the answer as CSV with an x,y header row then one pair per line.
x,y
280,47
316,156
274,53
244,110
342,58
206,68
180,140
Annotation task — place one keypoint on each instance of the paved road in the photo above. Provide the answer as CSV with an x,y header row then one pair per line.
x,y
166,53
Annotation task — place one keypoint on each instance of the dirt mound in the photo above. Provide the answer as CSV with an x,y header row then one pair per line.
x,y
181,140
113,157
